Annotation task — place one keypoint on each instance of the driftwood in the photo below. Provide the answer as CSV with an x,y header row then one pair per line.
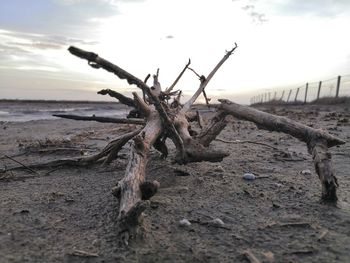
x,y
318,141
102,119
162,120
217,124
123,99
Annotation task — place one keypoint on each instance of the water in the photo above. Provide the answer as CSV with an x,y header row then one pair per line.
x,y
21,111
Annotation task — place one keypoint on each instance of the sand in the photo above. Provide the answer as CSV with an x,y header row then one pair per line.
x,y
69,214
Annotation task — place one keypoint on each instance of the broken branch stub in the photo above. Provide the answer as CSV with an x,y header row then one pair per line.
x,y
123,99
324,169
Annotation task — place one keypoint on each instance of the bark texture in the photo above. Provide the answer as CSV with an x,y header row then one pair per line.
x,y
318,141
131,203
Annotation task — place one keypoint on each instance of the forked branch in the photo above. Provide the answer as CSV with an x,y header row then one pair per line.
x,y
204,82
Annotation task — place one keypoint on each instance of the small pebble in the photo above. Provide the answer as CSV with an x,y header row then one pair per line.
x,y
306,172
217,222
184,222
249,176
219,169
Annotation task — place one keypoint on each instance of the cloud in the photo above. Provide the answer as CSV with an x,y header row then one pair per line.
x,y
169,37
250,9
72,18
325,8
20,40
257,9
26,51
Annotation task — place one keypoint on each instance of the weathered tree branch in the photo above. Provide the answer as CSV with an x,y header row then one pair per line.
x,y
97,62
141,105
156,89
123,99
213,129
110,152
168,90
204,82
201,78
102,119
323,166
194,150
318,141
130,192
277,123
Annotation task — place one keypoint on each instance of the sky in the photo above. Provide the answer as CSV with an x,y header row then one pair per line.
x,y
281,43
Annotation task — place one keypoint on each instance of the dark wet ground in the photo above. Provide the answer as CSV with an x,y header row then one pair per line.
x,y
277,217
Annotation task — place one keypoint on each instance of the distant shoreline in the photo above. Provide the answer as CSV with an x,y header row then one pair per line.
x,y
58,101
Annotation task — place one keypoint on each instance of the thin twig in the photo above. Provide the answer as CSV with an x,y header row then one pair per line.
x,y
168,90
246,141
28,168
194,72
136,121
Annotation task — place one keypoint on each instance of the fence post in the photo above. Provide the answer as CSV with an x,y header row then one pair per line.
x,y
306,88
269,96
296,95
338,86
290,92
265,97
274,97
319,89
282,95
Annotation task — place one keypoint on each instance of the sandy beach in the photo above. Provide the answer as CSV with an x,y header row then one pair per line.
x,y
69,214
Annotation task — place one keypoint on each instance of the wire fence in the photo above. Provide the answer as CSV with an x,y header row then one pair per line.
x,y
330,88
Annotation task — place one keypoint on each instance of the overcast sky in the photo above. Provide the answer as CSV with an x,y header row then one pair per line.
x,y
281,43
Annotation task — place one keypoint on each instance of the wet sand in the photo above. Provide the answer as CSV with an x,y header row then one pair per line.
x,y
51,216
